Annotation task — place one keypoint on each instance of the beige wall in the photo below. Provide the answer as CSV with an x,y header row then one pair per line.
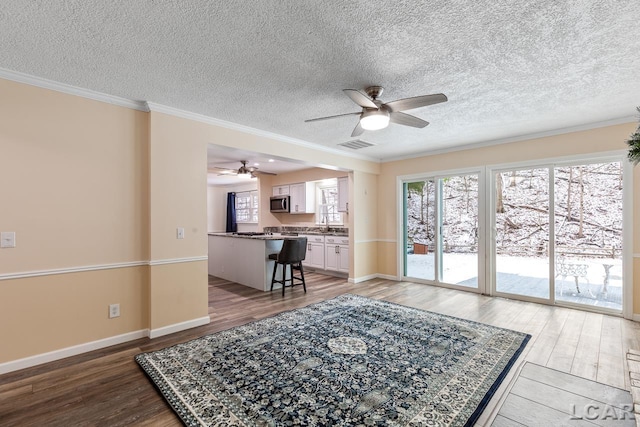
x,y
216,209
73,180
178,293
588,142
45,313
363,202
178,198
73,185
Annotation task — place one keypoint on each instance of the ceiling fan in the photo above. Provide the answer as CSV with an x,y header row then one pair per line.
x,y
377,115
244,171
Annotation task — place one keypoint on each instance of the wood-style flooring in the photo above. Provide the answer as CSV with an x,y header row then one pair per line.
x,y
543,396
107,388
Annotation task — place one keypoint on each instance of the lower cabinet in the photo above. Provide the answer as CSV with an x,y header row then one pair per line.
x,y
337,254
315,252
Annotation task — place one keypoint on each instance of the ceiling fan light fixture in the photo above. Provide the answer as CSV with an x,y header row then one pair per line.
x,y
374,119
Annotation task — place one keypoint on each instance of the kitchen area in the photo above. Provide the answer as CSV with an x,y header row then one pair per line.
x,y
311,203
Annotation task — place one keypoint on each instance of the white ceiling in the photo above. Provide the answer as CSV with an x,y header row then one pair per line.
x,y
509,69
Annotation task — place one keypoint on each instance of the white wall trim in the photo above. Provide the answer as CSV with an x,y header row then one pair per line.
x,y
177,327
373,276
636,255
152,106
636,317
178,260
376,240
36,273
71,90
535,135
51,356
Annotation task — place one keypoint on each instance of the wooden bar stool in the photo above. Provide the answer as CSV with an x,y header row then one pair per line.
x,y
292,254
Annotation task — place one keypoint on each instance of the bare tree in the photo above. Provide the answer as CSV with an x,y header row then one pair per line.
x,y
581,182
512,183
569,194
499,193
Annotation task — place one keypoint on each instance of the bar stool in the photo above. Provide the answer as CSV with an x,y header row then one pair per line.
x,y
292,254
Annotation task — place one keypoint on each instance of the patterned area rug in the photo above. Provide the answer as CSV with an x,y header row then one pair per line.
x,y
343,362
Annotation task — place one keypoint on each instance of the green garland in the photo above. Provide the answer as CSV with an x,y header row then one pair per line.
x,y
634,145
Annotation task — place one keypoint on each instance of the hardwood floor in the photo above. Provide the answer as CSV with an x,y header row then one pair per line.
x,y
107,388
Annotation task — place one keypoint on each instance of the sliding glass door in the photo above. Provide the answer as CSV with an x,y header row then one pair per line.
x,y
522,232
588,234
441,229
576,261
459,230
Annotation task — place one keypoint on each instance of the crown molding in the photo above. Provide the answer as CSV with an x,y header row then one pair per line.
x,y
159,108
543,134
71,90
146,106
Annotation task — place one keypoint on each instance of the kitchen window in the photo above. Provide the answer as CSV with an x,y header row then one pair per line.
x,y
327,193
247,207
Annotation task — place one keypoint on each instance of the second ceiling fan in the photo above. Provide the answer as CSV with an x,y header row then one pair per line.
x,y
377,115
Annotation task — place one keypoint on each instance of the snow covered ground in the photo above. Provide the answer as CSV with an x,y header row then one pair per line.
x,y
528,276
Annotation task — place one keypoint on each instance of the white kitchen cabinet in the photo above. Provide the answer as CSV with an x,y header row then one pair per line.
x,y
281,190
302,198
343,194
337,254
315,252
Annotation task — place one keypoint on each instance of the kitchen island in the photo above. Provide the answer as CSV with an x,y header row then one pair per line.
x,y
243,258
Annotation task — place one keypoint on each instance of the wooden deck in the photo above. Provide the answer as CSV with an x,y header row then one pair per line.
x,y
107,388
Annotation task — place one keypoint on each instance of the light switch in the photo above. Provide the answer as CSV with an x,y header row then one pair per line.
x,y
180,233
8,239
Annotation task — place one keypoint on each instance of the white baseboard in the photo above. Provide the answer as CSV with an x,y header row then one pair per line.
x,y
372,276
177,327
39,359
635,317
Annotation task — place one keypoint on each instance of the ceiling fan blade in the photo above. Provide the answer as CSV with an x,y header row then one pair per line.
x,y
256,172
360,98
331,117
223,171
415,102
358,130
407,120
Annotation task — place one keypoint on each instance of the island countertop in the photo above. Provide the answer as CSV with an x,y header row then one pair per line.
x,y
253,236
276,236
245,259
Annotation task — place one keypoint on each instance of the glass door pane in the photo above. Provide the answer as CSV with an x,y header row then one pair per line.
x,y
522,232
459,226
420,229
588,234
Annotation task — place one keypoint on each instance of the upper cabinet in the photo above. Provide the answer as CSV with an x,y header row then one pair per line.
x,y
343,194
302,198
281,190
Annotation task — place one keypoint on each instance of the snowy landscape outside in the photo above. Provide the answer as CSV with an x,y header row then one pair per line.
x,y
587,223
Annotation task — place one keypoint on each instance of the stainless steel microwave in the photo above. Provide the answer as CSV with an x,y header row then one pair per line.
x,y
279,203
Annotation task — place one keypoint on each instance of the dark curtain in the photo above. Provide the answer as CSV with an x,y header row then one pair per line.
x,y
232,226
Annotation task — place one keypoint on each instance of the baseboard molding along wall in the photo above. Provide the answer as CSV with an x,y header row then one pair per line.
x,y
372,276
51,356
177,327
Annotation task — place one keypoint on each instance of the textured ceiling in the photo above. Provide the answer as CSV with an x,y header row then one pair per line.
x,y
508,68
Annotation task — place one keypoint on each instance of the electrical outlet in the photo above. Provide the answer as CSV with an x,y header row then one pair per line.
x,y
114,310
8,239
180,233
